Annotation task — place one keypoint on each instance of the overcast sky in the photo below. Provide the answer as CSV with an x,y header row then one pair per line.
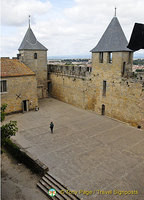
x,y
65,27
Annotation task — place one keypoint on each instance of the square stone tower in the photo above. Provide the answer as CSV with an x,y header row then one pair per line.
x,y
33,54
111,57
111,63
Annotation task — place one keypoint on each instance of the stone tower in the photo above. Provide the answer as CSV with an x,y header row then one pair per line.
x,y
111,62
111,57
33,54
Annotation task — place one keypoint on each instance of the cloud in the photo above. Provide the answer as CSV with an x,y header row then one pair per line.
x,y
97,12
68,30
16,12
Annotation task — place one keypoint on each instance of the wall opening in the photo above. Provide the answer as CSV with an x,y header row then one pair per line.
x,y
3,86
123,69
35,55
49,87
104,88
101,57
103,109
110,57
25,105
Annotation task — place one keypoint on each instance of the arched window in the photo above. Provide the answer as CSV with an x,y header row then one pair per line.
x,y
35,55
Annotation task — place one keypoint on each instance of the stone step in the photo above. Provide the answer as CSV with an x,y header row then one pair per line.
x,y
47,182
57,188
44,190
47,187
61,186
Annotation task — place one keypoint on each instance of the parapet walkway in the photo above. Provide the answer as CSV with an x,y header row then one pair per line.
x,y
87,152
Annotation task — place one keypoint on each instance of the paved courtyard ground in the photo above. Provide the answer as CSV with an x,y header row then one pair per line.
x,y
87,151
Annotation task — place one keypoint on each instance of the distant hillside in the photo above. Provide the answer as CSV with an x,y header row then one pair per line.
x,y
138,62
87,56
70,57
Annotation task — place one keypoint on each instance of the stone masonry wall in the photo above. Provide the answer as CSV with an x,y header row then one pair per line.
x,y
39,66
124,98
25,87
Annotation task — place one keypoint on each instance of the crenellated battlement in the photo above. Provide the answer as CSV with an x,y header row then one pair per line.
x,y
71,71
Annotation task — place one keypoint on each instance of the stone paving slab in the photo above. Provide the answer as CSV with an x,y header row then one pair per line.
x,y
87,151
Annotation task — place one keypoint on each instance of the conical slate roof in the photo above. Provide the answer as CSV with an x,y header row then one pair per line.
x,y
113,39
30,42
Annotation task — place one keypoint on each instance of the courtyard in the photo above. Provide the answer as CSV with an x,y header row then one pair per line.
x,y
86,152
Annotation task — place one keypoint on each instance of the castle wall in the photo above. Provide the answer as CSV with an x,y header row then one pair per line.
x,y
25,88
39,66
124,97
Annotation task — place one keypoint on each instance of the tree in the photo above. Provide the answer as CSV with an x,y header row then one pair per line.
x,y
3,107
9,129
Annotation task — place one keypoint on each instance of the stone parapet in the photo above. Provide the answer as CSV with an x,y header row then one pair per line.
x,y
76,71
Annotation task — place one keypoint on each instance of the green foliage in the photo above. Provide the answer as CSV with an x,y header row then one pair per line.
x,y
3,107
8,130
139,70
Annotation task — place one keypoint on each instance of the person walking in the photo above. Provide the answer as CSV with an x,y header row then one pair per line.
x,y
51,126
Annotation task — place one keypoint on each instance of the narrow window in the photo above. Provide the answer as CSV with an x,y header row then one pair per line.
x,y
35,55
110,57
101,57
103,109
3,86
104,88
123,69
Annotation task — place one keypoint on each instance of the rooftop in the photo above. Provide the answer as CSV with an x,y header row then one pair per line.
x,y
113,39
13,67
30,42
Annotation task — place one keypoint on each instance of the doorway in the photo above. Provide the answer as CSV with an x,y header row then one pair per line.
x,y
25,105
103,109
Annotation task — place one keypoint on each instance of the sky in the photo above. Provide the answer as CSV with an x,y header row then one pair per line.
x,y
65,27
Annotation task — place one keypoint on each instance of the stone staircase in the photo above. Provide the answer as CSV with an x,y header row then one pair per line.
x,y
47,182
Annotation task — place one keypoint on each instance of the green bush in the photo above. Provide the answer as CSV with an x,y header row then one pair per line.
x,y
8,130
